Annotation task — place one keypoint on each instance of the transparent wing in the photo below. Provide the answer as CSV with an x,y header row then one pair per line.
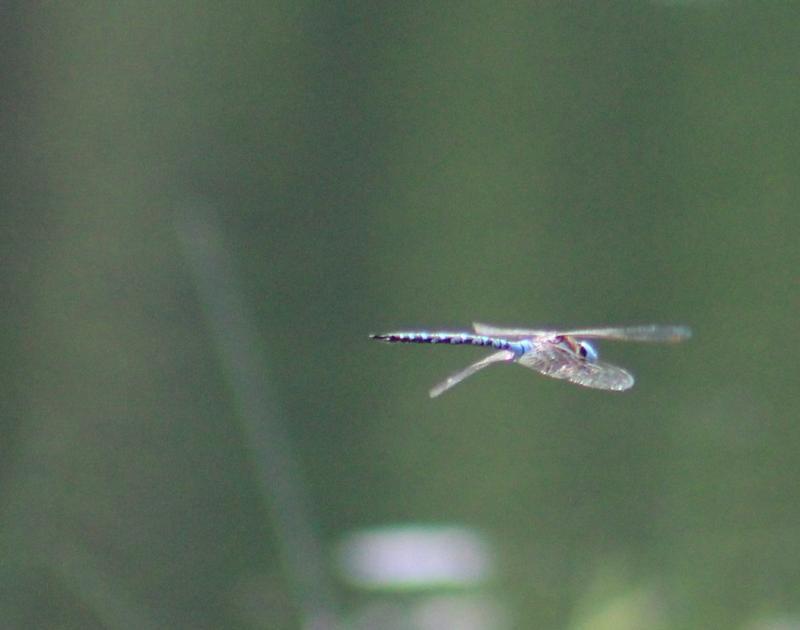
x,y
455,379
509,333
652,333
555,362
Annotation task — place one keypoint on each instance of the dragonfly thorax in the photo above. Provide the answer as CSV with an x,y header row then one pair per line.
x,y
583,349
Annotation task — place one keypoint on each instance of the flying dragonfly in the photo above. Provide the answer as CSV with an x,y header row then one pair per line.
x,y
563,354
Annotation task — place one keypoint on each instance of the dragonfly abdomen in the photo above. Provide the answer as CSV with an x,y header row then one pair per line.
x,y
444,338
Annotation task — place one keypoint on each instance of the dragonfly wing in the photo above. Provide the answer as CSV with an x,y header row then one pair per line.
x,y
653,333
555,362
601,375
510,333
455,379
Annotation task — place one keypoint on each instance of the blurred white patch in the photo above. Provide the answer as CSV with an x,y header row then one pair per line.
x,y
415,557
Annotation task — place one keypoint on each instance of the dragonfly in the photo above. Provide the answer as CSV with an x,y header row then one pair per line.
x,y
562,354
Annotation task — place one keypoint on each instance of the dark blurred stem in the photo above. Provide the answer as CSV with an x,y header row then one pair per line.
x,y
277,472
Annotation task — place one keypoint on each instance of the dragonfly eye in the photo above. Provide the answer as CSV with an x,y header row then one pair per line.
x,y
587,352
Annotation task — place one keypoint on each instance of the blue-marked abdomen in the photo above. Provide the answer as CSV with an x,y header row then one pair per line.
x,y
444,338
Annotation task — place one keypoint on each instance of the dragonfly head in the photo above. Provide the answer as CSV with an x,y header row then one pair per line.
x,y
587,351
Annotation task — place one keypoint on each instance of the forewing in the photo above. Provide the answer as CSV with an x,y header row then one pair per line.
x,y
455,379
510,333
651,333
556,362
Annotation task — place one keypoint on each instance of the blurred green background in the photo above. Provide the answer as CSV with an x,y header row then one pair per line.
x,y
383,166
